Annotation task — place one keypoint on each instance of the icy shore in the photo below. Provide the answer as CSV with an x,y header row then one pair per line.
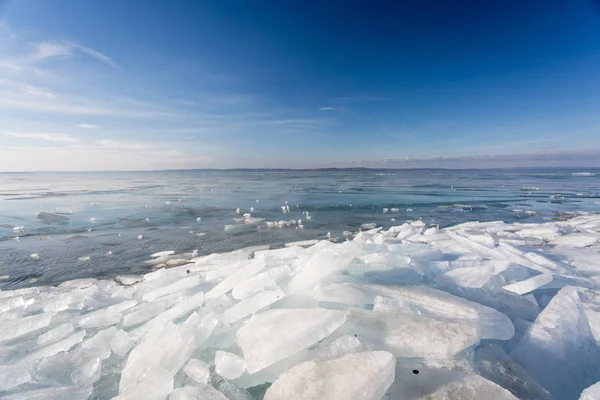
x,y
475,311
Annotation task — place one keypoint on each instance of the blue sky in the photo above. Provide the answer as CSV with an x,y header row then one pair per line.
x,y
99,85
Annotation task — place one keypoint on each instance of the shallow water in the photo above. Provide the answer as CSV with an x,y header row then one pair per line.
x,y
67,216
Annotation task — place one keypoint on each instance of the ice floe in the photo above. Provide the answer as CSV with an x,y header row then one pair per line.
x,y
474,311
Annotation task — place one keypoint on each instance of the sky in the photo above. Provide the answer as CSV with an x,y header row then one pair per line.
x,y
157,84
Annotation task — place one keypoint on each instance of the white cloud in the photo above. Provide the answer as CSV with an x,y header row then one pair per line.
x,y
87,126
96,54
46,50
95,158
53,137
115,144
326,109
37,91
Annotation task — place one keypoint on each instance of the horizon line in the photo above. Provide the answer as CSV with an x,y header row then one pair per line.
x,y
323,169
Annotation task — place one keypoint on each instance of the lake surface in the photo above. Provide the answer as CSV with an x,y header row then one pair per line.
x,y
67,217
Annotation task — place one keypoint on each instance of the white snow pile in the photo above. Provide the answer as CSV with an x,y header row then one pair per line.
x,y
475,311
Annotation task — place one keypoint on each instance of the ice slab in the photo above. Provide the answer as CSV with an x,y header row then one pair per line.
x,y
471,387
179,286
197,370
22,326
238,277
53,393
53,348
318,267
472,277
492,363
591,393
251,305
529,285
260,281
55,334
121,343
491,324
229,365
12,376
263,344
575,240
360,376
201,392
411,335
559,350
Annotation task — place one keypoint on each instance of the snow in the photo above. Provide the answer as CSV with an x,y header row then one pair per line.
x,y
478,310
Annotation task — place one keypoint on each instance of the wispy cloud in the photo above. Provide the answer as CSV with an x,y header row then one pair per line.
x,y
95,54
329,108
52,137
45,50
37,91
87,126
358,99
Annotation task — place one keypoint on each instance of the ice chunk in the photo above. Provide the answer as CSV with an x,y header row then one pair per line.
x,y
99,344
491,324
120,344
55,334
559,350
360,376
473,277
493,363
54,348
128,280
162,352
202,392
477,248
99,319
251,305
142,314
232,281
575,240
341,346
184,306
509,303
228,365
197,370
263,344
346,293
181,285
411,335
12,376
53,393
22,326
88,373
529,285
591,393
260,281
471,387
303,243
318,267
228,389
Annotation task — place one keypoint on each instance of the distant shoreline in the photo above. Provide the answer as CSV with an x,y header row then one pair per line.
x,y
333,169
